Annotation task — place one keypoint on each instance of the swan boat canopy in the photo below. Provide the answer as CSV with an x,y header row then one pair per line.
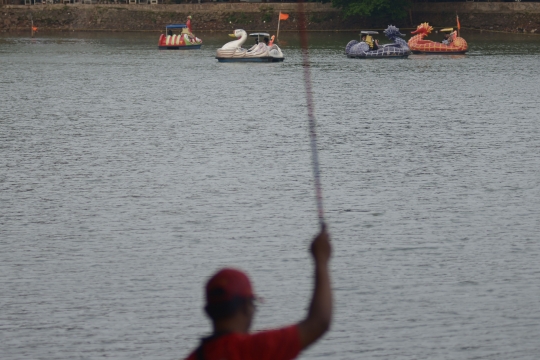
x,y
183,41
368,49
260,52
260,36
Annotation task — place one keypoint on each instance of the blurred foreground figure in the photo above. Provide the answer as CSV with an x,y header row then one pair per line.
x,y
230,304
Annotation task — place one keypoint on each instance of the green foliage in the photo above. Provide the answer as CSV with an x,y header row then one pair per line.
x,y
266,13
392,9
318,18
237,18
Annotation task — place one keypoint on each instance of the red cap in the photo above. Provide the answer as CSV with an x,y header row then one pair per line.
x,y
228,284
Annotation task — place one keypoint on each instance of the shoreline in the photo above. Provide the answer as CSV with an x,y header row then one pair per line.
x,y
18,31
216,17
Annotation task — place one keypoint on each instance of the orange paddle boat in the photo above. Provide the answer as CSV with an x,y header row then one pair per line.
x,y
452,44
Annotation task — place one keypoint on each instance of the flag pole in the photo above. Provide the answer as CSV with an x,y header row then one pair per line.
x,y
279,20
458,24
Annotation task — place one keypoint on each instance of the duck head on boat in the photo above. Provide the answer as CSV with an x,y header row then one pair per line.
x,y
260,52
368,47
240,36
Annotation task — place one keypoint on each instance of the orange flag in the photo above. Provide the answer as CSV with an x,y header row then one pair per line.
x,y
458,24
283,16
34,28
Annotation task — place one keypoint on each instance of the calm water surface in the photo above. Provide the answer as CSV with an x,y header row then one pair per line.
x,y
128,175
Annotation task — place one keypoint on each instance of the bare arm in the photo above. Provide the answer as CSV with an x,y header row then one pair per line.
x,y
320,310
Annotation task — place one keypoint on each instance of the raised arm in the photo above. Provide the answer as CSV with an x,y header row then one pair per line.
x,y
319,316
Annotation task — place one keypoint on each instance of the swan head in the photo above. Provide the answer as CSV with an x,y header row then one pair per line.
x,y
238,33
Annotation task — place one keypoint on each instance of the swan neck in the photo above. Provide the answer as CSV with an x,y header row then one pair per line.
x,y
242,39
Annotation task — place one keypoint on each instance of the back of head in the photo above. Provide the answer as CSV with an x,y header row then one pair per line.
x,y
226,292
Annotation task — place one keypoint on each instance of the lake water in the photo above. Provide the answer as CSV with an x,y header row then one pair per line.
x,y
128,175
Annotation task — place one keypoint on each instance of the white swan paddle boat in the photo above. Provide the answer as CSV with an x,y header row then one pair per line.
x,y
261,52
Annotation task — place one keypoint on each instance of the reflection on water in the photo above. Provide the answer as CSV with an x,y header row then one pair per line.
x,y
129,174
438,56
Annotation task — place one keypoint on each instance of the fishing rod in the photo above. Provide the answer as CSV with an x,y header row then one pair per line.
x,y
311,110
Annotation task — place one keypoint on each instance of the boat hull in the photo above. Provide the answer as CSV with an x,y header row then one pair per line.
x,y
398,49
439,52
265,59
261,52
378,57
456,45
178,47
179,42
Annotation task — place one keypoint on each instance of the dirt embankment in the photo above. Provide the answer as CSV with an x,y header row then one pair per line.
x,y
259,16
514,17
154,18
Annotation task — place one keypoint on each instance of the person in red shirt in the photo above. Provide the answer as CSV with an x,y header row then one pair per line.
x,y
230,306
188,24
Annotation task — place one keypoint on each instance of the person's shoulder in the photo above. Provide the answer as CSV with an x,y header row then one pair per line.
x,y
288,334
283,343
277,344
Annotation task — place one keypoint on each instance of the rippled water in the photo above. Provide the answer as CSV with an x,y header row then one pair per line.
x,y
129,174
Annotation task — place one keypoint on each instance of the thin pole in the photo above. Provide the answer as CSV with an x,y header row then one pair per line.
x,y
458,24
311,110
32,28
279,20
